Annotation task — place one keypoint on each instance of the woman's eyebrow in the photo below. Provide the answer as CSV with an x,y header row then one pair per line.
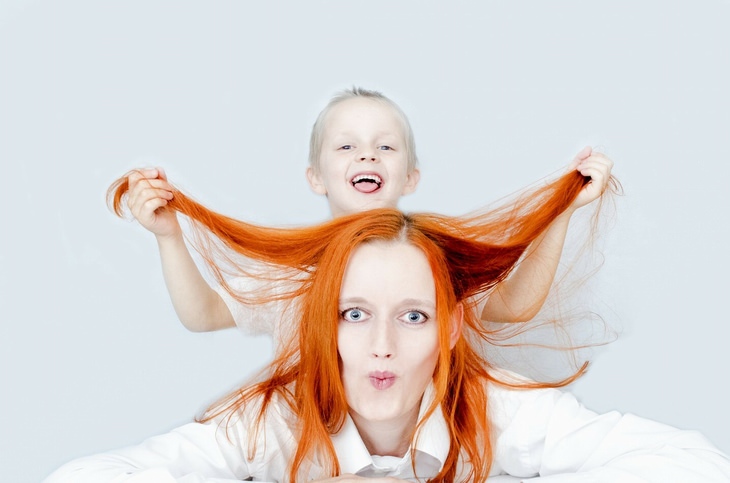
x,y
419,302
404,302
352,300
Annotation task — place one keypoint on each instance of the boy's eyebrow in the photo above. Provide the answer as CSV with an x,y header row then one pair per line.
x,y
348,134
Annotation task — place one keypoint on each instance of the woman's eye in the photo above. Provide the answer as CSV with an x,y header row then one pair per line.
x,y
415,317
353,315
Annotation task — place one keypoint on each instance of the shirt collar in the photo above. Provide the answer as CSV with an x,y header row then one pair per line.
x,y
432,439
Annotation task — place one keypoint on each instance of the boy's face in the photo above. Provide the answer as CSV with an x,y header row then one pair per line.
x,y
363,162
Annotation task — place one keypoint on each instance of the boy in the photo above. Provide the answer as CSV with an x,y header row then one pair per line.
x,y
362,156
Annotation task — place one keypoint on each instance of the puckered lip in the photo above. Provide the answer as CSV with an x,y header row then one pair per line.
x,y
369,176
381,375
382,380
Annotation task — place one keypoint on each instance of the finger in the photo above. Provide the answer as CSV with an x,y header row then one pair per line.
x,y
153,209
596,171
598,158
154,204
159,184
161,174
156,185
143,192
142,196
598,182
147,175
580,157
145,212
142,173
584,153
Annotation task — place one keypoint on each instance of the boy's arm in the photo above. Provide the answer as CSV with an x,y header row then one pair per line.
x,y
520,297
198,306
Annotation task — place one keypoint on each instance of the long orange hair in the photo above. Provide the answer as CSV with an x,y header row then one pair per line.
x,y
468,256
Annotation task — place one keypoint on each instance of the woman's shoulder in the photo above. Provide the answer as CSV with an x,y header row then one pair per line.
x,y
262,434
274,411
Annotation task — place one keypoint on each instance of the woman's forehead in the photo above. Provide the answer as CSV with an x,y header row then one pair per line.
x,y
388,270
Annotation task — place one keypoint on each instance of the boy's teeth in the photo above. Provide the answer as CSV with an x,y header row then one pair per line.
x,y
367,177
367,183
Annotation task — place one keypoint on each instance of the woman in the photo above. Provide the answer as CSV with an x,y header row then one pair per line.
x,y
382,378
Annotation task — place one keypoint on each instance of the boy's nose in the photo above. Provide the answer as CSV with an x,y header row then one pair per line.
x,y
367,153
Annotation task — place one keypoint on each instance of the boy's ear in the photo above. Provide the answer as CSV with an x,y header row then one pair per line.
x,y
315,182
411,181
457,321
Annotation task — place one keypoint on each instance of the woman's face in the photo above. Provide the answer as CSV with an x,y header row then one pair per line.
x,y
388,335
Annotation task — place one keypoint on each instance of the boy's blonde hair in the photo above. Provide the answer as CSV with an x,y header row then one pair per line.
x,y
317,138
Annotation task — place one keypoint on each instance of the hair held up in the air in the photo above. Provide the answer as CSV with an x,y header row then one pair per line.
x,y
468,255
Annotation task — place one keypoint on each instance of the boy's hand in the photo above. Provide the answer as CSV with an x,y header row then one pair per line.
x,y
149,193
598,167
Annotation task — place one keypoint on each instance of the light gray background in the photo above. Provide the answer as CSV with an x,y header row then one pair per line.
x,y
223,93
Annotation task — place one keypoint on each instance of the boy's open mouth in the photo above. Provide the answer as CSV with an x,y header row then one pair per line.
x,y
367,183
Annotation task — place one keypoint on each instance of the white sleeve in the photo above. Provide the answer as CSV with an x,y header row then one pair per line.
x,y
548,436
252,319
194,453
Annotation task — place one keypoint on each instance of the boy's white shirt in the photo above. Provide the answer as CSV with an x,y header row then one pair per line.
x,y
257,319
543,435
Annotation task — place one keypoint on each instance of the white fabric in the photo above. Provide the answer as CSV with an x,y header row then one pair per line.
x,y
259,318
540,435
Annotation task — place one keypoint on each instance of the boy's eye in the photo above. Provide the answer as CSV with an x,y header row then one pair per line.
x,y
386,148
353,315
346,147
415,317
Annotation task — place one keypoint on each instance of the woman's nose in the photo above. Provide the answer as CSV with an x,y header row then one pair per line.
x,y
383,341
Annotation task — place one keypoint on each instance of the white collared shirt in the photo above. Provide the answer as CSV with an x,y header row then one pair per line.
x,y
544,434
431,449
